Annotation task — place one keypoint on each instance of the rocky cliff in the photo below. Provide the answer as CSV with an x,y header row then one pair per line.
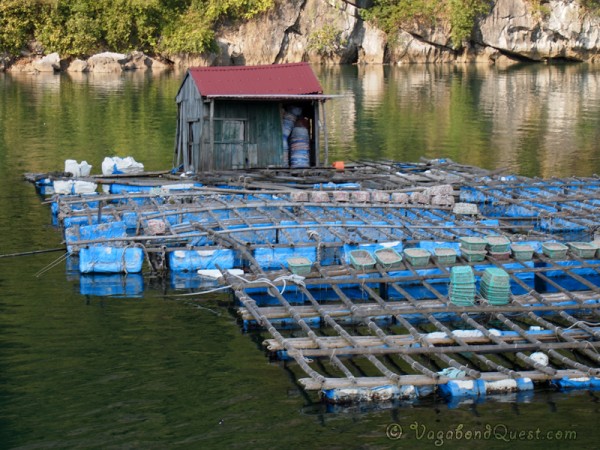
x,y
332,32
513,30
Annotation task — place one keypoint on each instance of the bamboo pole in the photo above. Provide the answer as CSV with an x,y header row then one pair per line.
x,y
420,380
33,252
336,342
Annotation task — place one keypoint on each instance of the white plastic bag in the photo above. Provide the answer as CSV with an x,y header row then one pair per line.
x,y
72,167
85,169
63,186
84,187
117,165
68,187
76,169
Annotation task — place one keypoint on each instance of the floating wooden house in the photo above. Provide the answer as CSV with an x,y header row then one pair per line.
x,y
242,117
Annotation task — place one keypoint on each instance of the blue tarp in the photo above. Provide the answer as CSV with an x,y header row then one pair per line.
x,y
194,260
397,245
130,285
276,258
117,188
87,220
479,388
103,259
91,232
577,383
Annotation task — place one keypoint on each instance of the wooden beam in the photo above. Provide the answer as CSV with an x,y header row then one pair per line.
x,y
420,380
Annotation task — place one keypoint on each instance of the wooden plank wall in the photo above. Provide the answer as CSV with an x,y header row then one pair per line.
x,y
191,110
263,130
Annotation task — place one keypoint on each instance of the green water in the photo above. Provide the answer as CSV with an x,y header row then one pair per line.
x,y
159,372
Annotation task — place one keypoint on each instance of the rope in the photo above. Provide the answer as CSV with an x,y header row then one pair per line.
x,y
293,278
579,322
189,294
315,236
33,252
216,313
53,264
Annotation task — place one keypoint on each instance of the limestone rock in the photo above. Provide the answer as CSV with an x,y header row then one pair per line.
x,y
49,63
155,64
284,34
135,61
78,65
406,48
23,65
106,62
513,30
373,46
566,30
5,61
274,28
139,61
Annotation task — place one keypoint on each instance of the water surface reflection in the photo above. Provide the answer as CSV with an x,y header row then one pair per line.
x,y
533,120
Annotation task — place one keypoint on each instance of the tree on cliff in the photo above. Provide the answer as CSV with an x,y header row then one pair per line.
x,y
461,14
83,27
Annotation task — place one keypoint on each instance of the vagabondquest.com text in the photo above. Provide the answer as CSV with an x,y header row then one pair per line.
x,y
487,432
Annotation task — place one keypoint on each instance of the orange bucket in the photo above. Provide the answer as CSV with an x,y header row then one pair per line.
x,y
338,165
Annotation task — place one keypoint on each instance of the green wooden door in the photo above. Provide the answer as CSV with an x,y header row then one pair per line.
x,y
230,140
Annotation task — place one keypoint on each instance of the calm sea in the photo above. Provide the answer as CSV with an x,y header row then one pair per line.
x,y
155,371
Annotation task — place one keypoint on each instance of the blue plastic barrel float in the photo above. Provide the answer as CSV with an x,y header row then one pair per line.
x,y
105,259
299,147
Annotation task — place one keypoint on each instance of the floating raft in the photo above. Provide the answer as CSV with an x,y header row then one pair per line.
x,y
385,281
376,203
372,336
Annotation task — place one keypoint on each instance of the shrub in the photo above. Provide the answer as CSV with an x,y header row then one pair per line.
x,y
390,15
16,24
81,27
327,41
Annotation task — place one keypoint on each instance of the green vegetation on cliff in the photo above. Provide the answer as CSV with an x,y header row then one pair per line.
x,y
460,14
83,27
390,15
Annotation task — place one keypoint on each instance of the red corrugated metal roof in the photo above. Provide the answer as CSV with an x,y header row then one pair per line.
x,y
276,79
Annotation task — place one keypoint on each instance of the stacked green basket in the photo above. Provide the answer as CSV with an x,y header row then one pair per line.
x,y
498,246
472,248
495,286
462,286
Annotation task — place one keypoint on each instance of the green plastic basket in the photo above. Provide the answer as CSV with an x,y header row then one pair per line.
x,y
462,286
445,255
462,301
495,277
362,259
388,257
522,252
299,265
472,243
496,298
473,255
462,274
498,244
464,298
500,256
418,257
555,250
495,286
583,249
